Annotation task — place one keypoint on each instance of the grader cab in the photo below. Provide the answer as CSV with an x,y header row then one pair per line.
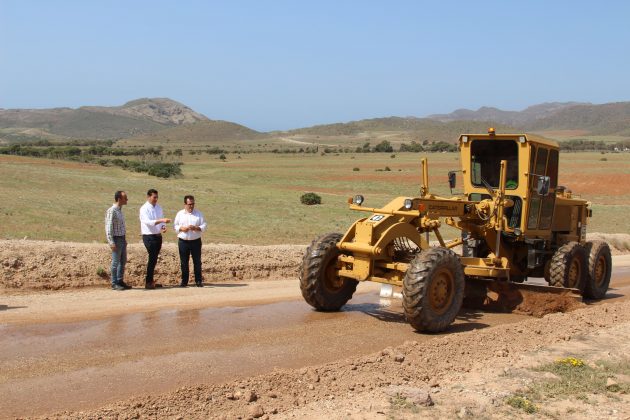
x,y
515,221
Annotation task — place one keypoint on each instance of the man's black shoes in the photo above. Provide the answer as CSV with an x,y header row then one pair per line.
x,y
183,285
125,285
118,287
199,284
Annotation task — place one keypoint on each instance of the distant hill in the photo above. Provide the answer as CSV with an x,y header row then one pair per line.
x,y
201,132
605,119
96,122
161,121
515,118
414,128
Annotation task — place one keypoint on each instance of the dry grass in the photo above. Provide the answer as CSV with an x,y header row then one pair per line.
x,y
255,199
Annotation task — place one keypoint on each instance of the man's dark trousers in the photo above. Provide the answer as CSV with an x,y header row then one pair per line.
x,y
186,250
153,244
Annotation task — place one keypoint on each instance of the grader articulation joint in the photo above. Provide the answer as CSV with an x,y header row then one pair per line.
x,y
515,221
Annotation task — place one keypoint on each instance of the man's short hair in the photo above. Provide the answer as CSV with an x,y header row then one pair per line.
x,y
189,197
118,195
151,192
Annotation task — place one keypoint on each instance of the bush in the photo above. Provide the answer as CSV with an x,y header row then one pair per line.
x,y
522,403
356,169
383,146
310,199
164,170
387,169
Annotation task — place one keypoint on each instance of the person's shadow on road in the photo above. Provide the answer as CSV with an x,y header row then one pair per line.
x,y
7,307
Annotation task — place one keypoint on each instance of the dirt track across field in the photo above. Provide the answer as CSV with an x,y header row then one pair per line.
x,y
245,349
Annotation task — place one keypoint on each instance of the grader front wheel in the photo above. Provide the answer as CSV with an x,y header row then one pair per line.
x,y
321,287
433,290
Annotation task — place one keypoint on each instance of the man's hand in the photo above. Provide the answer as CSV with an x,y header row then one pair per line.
x,y
113,247
164,220
184,228
193,227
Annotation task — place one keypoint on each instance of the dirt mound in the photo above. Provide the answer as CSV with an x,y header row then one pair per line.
x,y
27,264
619,242
539,304
57,265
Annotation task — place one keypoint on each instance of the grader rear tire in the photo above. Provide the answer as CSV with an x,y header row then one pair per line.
x,y
321,287
433,290
599,270
569,266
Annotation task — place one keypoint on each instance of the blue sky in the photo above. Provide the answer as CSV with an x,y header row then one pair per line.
x,y
275,65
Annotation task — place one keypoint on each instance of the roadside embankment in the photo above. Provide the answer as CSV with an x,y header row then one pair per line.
x,y
51,265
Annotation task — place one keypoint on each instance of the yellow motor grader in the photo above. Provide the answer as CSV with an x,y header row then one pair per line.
x,y
515,221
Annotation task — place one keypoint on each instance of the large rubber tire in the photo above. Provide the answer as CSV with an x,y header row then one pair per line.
x,y
320,285
599,270
569,266
433,290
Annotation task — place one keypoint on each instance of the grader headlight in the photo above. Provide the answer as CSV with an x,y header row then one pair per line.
x,y
358,200
408,204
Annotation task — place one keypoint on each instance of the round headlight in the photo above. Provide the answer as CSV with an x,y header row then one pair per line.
x,y
358,200
408,203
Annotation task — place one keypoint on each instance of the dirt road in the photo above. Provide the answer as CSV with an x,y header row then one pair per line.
x,y
80,350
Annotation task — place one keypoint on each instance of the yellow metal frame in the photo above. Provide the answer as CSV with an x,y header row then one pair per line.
x,y
367,246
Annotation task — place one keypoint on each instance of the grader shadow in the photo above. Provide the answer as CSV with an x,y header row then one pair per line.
x,y
466,320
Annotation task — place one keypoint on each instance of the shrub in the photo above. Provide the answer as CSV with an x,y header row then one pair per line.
x,y
383,146
356,169
387,168
522,403
164,170
100,271
310,199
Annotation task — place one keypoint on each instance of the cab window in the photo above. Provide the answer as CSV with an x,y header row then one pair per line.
x,y
486,156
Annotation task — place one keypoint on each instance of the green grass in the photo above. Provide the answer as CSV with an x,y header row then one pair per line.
x,y
255,199
521,403
400,402
576,379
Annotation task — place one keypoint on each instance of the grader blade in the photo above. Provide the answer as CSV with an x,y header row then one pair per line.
x,y
530,299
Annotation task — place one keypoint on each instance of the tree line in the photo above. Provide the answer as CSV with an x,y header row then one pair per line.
x,y
97,154
593,146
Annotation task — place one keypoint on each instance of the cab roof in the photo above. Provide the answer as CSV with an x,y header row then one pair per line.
x,y
530,138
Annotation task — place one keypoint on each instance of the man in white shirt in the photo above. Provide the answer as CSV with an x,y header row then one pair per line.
x,y
152,224
189,223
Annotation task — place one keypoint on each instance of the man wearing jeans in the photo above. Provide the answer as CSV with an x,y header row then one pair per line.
x,y
115,233
189,223
152,224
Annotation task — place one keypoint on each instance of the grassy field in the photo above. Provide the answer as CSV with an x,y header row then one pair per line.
x,y
254,198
